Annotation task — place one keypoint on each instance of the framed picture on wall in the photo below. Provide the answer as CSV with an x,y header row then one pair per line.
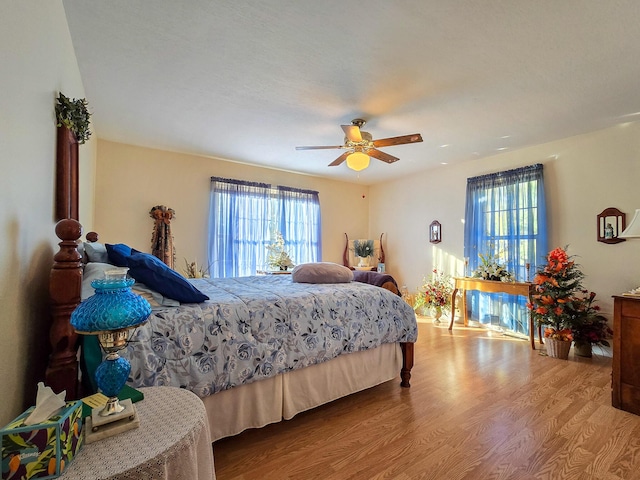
x,y
611,223
434,232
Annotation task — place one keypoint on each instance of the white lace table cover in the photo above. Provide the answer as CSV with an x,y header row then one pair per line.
x,y
173,442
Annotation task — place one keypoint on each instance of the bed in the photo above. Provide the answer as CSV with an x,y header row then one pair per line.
x,y
247,351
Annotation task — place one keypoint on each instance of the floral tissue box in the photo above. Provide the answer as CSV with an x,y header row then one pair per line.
x,y
44,449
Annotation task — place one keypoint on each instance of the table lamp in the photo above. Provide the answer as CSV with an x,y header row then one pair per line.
x,y
633,230
112,314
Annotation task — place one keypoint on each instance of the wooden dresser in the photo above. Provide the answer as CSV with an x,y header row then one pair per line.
x,y
625,379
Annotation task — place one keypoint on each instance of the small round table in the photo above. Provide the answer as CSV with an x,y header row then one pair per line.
x,y
173,442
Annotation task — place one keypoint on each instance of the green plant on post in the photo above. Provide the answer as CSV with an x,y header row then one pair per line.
x,y
74,114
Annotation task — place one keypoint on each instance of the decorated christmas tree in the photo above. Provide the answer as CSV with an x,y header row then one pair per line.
x,y
556,286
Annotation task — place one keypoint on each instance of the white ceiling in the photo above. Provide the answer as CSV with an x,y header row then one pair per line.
x,y
250,80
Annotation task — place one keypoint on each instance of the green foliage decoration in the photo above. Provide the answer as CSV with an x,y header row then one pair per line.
x,y
74,114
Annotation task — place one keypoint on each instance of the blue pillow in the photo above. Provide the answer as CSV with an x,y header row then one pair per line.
x,y
150,270
118,254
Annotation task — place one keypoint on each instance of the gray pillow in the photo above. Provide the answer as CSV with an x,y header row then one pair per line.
x,y
96,252
93,271
321,272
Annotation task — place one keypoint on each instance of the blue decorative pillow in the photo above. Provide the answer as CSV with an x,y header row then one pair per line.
x,y
118,254
150,270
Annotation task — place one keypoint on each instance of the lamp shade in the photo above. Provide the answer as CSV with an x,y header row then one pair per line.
x,y
113,307
358,161
633,229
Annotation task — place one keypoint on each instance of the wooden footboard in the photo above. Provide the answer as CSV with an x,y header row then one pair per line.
x,y
407,363
65,285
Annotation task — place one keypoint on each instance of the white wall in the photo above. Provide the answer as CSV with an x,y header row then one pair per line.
x,y
38,61
131,180
583,176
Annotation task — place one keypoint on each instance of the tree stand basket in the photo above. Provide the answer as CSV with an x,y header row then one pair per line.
x,y
557,348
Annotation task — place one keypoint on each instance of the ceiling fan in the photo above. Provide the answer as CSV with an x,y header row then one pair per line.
x,y
361,146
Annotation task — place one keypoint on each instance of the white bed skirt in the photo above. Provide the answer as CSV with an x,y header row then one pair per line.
x,y
282,397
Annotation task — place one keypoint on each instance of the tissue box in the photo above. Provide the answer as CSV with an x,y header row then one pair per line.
x,y
44,449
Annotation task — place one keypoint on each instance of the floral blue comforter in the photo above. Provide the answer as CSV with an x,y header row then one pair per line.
x,y
257,327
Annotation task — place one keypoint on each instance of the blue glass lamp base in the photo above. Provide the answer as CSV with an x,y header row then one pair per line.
x,y
111,375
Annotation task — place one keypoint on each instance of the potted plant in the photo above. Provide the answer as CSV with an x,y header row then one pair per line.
x,y
552,304
74,114
435,293
363,249
588,327
193,270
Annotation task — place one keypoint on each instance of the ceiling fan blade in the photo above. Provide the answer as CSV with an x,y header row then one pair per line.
x,y
352,132
380,155
388,142
340,159
320,148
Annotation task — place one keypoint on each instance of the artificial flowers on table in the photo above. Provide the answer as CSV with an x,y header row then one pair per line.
x,y
490,269
278,256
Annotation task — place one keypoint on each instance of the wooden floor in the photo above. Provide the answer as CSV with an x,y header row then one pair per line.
x,y
480,407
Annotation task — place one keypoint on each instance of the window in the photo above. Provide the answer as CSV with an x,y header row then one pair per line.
x,y
244,218
505,219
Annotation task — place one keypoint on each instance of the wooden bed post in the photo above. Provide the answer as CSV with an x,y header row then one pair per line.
x,y
407,363
65,284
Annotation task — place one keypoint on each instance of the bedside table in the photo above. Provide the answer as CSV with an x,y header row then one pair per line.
x,y
172,442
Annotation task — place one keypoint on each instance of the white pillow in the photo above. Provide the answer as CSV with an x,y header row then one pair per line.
x,y
321,272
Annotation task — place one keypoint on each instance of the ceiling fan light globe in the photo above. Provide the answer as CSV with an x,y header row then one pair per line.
x,y
358,161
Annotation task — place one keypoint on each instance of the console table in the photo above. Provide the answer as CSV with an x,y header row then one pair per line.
x,y
172,442
492,286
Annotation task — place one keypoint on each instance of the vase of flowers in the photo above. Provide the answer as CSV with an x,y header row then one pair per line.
x,y
490,269
363,249
554,302
435,293
279,258
437,313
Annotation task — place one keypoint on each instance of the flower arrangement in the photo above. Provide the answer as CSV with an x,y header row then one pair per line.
x,y
192,270
363,248
278,256
436,292
554,302
490,269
